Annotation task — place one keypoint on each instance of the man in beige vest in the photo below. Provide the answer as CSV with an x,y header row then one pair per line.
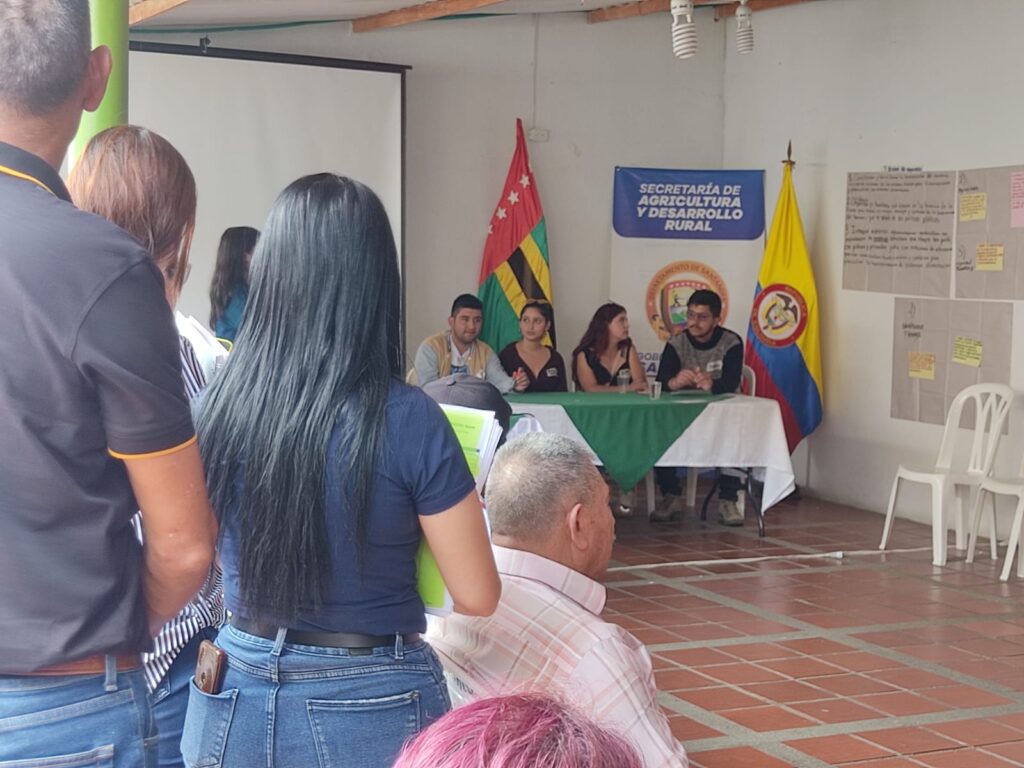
x,y
458,350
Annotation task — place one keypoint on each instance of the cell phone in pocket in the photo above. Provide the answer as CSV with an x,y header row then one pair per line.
x,y
211,663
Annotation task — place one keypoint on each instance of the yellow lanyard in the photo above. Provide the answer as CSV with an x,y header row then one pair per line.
x,y
19,175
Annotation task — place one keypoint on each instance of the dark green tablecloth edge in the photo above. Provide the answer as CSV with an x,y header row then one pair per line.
x,y
628,431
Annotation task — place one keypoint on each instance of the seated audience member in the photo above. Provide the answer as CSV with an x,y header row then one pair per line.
x,y
470,392
552,533
458,350
327,471
604,351
709,357
531,731
543,366
229,289
137,180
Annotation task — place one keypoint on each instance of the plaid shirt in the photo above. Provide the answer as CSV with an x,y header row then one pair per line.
x,y
547,633
206,609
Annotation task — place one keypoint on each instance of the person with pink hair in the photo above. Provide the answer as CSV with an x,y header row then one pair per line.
x,y
521,731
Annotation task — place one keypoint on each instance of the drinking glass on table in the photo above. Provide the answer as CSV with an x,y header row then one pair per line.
x,y
654,389
623,379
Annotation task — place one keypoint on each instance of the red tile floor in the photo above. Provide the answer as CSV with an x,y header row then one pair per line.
x,y
779,652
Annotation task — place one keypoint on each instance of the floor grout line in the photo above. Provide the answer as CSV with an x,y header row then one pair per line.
x,y
814,587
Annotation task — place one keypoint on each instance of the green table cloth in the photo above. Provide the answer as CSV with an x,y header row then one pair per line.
x,y
628,431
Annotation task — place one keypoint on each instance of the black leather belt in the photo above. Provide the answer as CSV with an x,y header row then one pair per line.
x,y
350,640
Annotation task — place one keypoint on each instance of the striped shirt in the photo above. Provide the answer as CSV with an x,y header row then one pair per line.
x,y
206,609
547,634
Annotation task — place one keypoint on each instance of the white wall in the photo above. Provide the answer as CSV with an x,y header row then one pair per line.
x,y
610,94
858,84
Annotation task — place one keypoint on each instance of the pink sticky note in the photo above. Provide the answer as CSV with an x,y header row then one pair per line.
x,y
1017,199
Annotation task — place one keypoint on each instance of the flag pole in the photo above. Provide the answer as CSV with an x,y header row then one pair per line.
x,y
789,161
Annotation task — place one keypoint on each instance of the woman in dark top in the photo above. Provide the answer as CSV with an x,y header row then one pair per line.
x,y
543,366
229,289
327,472
137,180
606,349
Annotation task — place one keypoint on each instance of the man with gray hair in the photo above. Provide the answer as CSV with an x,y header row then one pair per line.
x,y
94,425
552,532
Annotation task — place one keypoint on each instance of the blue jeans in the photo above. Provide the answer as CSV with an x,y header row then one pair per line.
x,y
72,721
170,700
290,705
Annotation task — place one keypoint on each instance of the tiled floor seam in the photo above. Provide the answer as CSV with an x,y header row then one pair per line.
x,y
856,643
765,740
925,637
644,572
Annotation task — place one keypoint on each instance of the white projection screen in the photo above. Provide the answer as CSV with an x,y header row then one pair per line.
x,y
250,123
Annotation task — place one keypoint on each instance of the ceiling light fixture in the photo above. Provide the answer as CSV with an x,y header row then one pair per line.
x,y
684,29
744,28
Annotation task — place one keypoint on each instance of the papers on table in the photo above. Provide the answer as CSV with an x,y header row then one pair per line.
x,y
478,433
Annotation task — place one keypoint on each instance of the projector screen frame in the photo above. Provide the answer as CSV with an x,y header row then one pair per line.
x,y
309,61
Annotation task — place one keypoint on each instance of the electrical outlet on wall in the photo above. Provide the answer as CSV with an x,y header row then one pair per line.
x,y
538,134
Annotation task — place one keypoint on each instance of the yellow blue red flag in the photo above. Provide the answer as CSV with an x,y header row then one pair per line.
x,y
783,342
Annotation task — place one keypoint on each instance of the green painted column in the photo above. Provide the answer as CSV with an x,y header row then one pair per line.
x,y
109,28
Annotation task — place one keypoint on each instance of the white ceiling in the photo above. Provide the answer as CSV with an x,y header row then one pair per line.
x,y
230,12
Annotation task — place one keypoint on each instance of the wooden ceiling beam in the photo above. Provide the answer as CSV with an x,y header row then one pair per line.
x,y
144,10
725,11
414,13
629,10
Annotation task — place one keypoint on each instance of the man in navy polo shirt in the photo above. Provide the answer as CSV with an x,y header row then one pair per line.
x,y
94,424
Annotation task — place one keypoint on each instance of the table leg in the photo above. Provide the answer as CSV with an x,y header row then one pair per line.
x,y
755,502
692,476
649,488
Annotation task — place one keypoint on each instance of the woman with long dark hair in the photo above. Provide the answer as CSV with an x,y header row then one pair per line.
x,y
543,366
606,350
327,471
134,178
229,289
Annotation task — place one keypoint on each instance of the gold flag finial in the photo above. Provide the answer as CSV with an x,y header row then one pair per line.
x,y
789,154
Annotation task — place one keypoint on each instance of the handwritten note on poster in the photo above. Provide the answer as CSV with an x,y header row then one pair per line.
x,y
967,351
922,365
899,232
973,206
988,257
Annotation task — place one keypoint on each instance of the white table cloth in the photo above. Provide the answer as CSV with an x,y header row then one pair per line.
x,y
739,431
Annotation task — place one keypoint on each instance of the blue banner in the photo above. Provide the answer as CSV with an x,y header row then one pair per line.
x,y
701,205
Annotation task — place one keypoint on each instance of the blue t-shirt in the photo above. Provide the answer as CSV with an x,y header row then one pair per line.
x,y
230,319
422,471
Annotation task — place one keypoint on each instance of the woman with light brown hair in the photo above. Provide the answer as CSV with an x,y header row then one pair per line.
x,y
134,178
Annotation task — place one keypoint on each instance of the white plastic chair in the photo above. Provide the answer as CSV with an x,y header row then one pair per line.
x,y
991,406
1003,486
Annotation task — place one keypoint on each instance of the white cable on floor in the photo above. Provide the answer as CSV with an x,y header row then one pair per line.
x,y
837,555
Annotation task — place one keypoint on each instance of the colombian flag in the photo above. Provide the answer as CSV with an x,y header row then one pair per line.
x,y
783,344
515,264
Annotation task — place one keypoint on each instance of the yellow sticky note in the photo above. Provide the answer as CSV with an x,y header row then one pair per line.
x,y
973,206
967,351
988,257
922,365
